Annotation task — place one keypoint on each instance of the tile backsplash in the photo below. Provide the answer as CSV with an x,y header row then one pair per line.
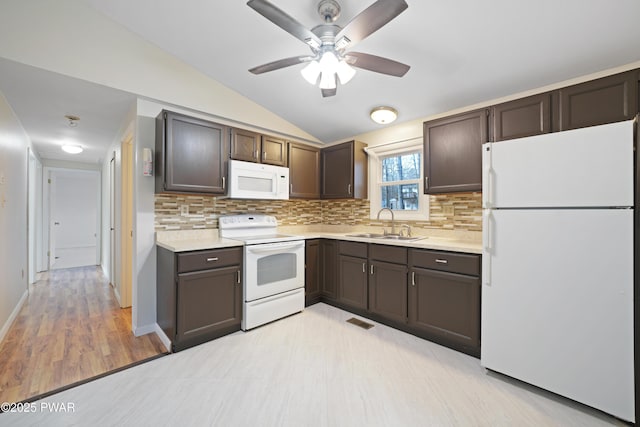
x,y
459,211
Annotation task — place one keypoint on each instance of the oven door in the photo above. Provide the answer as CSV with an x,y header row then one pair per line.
x,y
273,268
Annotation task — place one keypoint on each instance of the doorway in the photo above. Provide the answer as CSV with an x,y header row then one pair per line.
x,y
74,220
126,228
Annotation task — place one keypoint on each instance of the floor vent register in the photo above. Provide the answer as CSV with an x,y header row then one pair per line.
x,y
361,323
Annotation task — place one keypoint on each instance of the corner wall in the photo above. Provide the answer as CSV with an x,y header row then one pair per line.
x,y
13,215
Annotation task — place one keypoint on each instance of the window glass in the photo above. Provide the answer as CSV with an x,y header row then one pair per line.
x,y
401,167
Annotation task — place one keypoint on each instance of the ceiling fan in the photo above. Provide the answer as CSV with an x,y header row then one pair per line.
x,y
330,61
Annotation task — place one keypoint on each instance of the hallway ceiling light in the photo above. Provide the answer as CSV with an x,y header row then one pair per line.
x,y
72,149
383,115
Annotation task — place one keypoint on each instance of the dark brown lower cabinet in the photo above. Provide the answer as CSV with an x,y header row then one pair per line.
x,y
352,283
199,295
312,271
329,269
446,305
388,290
208,302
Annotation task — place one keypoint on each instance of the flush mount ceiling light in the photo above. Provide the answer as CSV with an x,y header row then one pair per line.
x,y
383,115
72,149
330,59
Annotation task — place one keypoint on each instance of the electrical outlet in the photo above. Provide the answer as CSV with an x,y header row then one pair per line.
x,y
448,210
184,210
1,179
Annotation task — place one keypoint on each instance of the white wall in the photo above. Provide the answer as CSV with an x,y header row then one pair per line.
x,y
14,144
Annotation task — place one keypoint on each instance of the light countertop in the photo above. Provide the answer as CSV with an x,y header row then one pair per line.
x,y
193,240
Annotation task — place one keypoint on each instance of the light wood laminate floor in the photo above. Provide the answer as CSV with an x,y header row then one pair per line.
x,y
70,329
311,369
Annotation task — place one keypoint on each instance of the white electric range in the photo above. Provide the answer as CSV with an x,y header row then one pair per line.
x,y
273,268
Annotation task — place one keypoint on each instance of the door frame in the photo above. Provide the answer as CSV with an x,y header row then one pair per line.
x,y
126,222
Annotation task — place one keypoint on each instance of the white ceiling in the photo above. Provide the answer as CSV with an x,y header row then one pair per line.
x,y
460,52
41,99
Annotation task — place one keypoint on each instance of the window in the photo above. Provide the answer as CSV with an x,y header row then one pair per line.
x,y
396,181
400,181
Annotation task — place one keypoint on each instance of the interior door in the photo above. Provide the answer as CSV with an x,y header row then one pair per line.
x,y
557,303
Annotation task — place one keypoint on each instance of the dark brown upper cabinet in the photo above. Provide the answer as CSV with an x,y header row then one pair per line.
x,y
274,151
597,102
520,118
245,145
453,152
304,171
344,171
254,147
191,154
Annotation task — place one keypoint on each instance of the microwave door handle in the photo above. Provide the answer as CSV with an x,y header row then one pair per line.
x,y
260,249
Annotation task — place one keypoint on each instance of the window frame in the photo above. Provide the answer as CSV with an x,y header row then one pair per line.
x,y
376,156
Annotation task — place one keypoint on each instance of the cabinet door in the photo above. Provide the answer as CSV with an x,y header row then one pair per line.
x,y
245,145
597,102
522,117
337,172
195,154
274,151
445,304
388,290
329,268
312,271
352,281
304,171
208,302
453,153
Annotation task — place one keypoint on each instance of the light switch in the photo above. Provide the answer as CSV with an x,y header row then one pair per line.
x,y
1,179
184,210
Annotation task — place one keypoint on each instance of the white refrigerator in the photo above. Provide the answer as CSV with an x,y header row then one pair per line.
x,y
557,276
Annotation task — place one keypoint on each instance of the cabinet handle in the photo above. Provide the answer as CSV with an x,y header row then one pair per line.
x,y
238,276
264,155
291,188
364,268
349,189
211,259
224,182
426,182
371,268
442,261
413,278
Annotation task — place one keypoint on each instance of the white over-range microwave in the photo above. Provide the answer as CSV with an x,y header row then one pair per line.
x,y
257,181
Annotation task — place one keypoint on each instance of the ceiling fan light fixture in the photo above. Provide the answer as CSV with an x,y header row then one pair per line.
x,y
327,80
345,72
328,62
311,72
72,149
383,115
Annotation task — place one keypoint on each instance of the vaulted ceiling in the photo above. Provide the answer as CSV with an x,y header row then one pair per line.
x,y
460,52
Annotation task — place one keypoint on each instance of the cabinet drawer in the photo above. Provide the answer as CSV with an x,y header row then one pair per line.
x,y
446,261
395,254
204,260
356,249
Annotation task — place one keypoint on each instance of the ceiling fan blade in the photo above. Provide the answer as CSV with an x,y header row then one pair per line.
x,y
281,63
284,21
377,64
329,92
369,21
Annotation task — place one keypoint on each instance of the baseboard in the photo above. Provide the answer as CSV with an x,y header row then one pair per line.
x,y
14,314
144,330
117,294
163,337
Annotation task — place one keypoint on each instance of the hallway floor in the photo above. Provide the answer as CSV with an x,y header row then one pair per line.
x,y
70,329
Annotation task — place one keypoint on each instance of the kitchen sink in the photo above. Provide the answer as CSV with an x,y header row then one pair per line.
x,y
385,236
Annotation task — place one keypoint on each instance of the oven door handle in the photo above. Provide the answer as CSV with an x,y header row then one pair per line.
x,y
274,247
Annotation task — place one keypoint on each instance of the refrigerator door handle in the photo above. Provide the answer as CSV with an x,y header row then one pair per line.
x,y
487,176
487,219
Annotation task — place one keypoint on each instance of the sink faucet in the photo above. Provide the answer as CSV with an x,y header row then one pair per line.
x,y
393,226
